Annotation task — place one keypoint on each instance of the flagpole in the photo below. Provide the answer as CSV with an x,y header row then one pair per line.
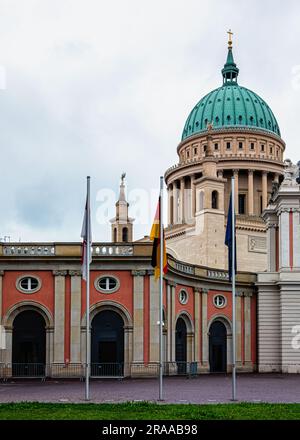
x,y
161,233
88,252
233,293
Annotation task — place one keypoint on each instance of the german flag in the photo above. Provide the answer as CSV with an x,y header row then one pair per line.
x,y
155,237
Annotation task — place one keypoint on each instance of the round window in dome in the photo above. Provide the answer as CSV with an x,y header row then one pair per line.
x,y
28,284
107,284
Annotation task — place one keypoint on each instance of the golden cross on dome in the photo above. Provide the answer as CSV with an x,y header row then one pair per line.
x,y
230,37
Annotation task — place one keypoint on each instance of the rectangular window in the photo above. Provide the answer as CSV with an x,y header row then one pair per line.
x,y
242,204
252,146
195,150
262,147
188,154
261,204
240,145
271,150
228,145
216,146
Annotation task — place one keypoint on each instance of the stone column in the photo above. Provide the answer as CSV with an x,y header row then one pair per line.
x,y
247,335
276,177
169,205
169,321
205,362
182,200
175,203
138,315
59,315
238,328
271,246
284,239
193,190
173,321
190,354
128,332
197,325
75,319
236,190
154,318
250,193
264,189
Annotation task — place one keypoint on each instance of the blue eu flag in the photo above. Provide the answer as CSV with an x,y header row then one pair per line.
x,y
229,239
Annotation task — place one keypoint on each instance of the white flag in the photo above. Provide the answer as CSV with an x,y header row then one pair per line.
x,y
86,234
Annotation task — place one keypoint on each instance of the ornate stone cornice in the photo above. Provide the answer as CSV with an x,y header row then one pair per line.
x,y
75,273
60,273
138,273
171,283
204,291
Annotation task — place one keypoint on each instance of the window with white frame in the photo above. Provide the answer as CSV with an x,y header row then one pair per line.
x,y
28,284
219,301
183,296
107,284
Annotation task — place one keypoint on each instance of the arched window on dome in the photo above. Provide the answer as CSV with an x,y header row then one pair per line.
x,y
214,199
115,234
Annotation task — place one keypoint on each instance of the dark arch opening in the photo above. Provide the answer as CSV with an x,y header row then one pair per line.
x,y
218,347
214,199
115,234
107,344
125,235
181,345
29,344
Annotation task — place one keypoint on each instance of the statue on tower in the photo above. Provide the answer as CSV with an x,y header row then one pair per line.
x,y
209,149
291,173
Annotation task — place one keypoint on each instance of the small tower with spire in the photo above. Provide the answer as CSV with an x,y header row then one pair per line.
x,y
121,224
230,71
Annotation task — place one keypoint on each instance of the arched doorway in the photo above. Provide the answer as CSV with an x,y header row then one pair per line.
x,y
181,346
218,347
28,344
107,344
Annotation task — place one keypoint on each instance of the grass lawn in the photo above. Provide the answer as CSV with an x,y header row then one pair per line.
x,y
148,411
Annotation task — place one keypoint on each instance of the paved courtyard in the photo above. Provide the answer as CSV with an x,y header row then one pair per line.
x,y
203,389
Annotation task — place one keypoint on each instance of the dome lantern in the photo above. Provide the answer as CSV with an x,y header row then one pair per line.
x,y
230,71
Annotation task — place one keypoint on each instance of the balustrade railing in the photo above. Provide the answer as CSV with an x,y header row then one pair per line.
x,y
97,370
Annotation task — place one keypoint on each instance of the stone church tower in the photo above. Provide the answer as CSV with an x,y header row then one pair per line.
x,y
230,132
121,224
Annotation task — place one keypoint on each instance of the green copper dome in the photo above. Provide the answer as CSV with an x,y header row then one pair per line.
x,y
230,106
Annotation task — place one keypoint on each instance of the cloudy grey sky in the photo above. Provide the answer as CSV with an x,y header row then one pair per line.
x,y
94,87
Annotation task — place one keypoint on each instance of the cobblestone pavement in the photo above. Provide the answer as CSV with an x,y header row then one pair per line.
x,y
202,389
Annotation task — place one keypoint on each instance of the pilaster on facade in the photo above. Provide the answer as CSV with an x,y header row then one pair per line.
x,y
138,315
205,360
59,315
75,318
